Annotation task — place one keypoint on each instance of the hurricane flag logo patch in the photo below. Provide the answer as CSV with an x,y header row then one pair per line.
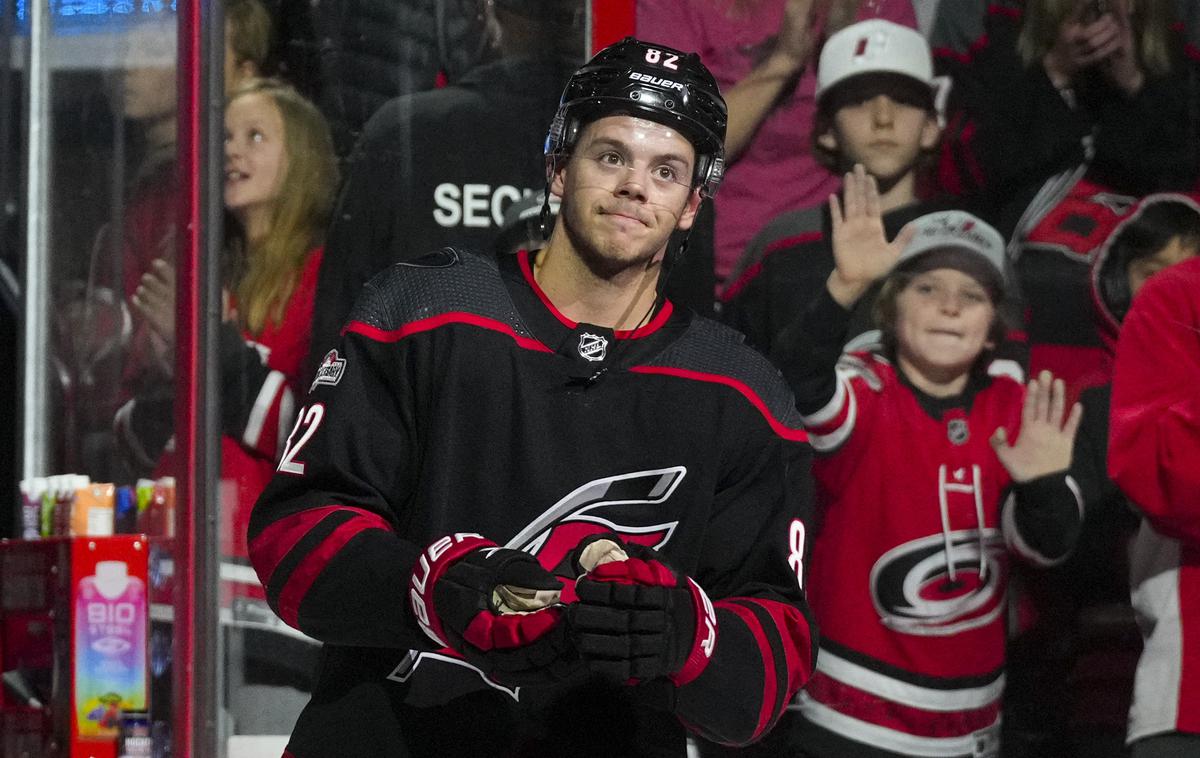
x,y
592,347
331,370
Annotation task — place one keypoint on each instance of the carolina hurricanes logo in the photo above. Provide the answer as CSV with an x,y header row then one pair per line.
x,y
914,593
612,504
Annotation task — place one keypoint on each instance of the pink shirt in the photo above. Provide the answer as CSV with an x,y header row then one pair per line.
x,y
776,173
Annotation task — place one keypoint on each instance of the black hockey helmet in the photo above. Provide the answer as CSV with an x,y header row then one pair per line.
x,y
654,82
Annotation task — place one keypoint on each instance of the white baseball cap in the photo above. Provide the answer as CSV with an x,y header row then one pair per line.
x,y
956,230
874,47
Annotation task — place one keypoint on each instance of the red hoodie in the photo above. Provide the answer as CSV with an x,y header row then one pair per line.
x,y
1154,455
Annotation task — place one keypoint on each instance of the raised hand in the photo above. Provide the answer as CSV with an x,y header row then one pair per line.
x,y
796,34
1045,439
861,252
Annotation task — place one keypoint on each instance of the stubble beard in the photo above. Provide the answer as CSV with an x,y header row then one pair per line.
x,y
608,259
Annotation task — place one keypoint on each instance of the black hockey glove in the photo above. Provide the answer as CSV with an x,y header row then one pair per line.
x,y
495,607
637,619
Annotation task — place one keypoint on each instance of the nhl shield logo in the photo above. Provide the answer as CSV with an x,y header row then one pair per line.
x,y
592,347
957,431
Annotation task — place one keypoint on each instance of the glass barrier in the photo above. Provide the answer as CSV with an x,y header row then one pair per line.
x,y
357,134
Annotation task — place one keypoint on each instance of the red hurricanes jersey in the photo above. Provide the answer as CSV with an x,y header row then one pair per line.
x,y
910,566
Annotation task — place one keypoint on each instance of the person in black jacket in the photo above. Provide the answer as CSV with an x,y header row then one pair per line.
x,y
441,166
1062,114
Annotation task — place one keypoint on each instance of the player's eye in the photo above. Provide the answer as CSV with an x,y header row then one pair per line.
x,y
611,158
665,173
257,136
974,296
924,288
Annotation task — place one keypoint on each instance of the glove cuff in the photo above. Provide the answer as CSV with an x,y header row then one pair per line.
x,y
430,567
704,643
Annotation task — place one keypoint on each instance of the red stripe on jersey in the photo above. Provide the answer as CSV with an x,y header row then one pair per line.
x,y
797,641
311,566
743,281
898,717
774,246
1188,717
660,318
767,712
277,540
784,431
435,322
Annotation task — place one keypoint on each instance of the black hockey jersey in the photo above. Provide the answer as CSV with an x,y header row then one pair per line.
x,y
461,400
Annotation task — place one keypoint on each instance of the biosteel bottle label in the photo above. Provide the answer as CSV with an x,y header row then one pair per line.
x,y
110,648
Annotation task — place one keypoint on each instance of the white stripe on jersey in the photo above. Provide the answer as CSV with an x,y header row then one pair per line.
x,y
287,417
262,406
1154,574
889,739
912,695
843,397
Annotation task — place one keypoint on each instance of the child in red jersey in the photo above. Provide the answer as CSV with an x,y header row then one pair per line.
x,y
932,473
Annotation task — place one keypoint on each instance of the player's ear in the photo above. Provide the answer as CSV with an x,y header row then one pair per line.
x,y
688,216
557,171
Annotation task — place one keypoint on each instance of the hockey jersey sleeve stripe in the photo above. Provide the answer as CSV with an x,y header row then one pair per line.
x,y
277,541
830,427
314,562
767,711
269,395
781,429
796,641
436,322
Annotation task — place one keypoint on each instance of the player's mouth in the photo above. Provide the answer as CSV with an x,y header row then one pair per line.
x,y
233,175
625,213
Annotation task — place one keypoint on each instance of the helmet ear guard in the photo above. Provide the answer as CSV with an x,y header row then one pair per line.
x,y
634,78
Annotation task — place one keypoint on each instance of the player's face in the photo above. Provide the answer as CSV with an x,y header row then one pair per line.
x,y
625,188
254,153
883,132
943,318
1177,250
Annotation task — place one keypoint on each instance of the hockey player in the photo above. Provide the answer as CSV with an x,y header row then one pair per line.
x,y
875,106
1153,454
483,420
930,472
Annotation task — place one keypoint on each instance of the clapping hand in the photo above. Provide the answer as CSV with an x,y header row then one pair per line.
x,y
1045,440
861,252
155,299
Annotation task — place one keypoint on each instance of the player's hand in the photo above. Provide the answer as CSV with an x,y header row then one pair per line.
x,y
496,607
1045,440
861,251
638,619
